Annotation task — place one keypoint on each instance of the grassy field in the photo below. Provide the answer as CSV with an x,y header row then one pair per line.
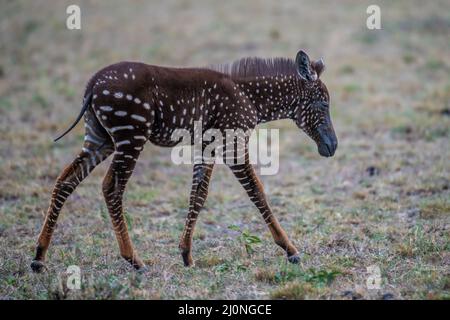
x,y
383,200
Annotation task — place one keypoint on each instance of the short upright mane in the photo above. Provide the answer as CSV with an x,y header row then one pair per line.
x,y
256,67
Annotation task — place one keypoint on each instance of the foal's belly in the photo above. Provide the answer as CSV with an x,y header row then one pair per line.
x,y
162,138
163,143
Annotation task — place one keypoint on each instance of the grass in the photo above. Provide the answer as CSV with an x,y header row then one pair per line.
x,y
295,291
435,208
381,201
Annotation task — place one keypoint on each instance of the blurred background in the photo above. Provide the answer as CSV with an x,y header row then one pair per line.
x,y
382,200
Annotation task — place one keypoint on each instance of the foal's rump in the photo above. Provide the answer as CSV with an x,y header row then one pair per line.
x,y
121,102
96,137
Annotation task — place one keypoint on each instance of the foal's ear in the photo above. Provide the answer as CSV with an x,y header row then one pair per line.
x,y
304,67
318,66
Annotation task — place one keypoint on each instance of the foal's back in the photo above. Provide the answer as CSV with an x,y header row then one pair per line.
x,y
150,102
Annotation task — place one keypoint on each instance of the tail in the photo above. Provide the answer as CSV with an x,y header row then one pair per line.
x,y
87,102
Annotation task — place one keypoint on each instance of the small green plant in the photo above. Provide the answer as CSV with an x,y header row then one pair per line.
x,y
223,267
247,238
318,278
227,266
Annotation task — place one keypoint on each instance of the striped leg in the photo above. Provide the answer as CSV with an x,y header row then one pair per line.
x,y
249,180
199,192
114,183
66,183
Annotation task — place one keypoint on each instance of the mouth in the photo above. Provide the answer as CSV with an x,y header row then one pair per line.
x,y
326,149
326,141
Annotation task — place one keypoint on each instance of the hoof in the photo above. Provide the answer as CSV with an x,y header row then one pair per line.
x,y
189,264
295,259
187,260
142,269
37,266
135,262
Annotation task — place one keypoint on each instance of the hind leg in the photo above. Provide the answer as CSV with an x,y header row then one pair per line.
x,y
91,155
114,184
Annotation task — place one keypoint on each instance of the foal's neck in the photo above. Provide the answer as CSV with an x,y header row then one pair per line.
x,y
275,97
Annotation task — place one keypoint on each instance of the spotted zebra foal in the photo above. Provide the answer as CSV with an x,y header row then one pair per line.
x,y
128,103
